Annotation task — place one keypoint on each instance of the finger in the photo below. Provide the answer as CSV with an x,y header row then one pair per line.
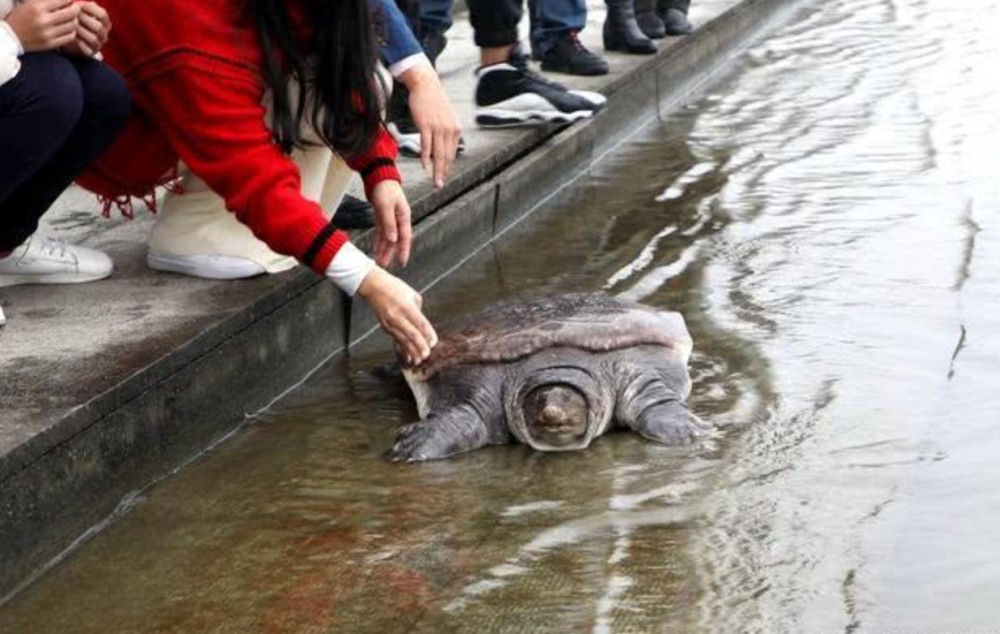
x,y
84,48
421,349
410,351
63,40
440,159
407,336
426,148
388,228
54,5
424,325
88,38
91,23
419,330
405,234
70,13
381,250
97,12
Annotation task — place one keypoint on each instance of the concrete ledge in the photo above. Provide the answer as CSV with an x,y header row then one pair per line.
x,y
178,363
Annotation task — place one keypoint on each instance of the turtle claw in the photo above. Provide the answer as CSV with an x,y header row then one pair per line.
x,y
415,443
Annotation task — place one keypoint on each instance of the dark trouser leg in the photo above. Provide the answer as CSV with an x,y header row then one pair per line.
x,y
62,115
436,16
495,21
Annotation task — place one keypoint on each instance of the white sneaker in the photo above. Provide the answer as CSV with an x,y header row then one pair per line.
x,y
207,266
407,138
48,261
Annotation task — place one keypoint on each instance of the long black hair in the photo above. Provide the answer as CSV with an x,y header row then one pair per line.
x,y
327,80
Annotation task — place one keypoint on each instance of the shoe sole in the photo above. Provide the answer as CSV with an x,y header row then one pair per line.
x,y
499,118
578,72
175,264
54,278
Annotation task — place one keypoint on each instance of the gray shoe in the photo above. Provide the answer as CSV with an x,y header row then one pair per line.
x,y
676,22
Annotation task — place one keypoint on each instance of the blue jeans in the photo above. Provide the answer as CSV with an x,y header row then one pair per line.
x,y
56,116
436,16
551,19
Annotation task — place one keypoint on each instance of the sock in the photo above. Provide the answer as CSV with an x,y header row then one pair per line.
x,y
4,254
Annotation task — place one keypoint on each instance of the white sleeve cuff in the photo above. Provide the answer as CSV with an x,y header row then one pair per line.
x,y
405,64
10,50
349,268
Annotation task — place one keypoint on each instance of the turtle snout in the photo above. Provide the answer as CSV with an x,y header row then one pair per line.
x,y
556,415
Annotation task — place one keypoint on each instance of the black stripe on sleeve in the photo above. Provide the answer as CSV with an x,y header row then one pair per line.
x,y
374,165
317,244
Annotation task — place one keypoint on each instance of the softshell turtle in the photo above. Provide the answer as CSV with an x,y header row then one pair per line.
x,y
553,373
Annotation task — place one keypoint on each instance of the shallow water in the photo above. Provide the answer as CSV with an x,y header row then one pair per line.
x,y
828,220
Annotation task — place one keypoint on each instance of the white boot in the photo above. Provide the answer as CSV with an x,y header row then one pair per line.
x,y
43,260
195,235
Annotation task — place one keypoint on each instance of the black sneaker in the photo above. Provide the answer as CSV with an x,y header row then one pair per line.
x,y
353,213
520,61
569,55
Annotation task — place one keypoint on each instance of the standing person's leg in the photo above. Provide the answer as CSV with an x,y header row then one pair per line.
x,y
621,31
673,14
507,92
435,20
93,101
494,23
555,25
649,20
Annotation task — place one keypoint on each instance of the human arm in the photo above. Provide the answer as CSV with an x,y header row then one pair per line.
x,y
432,112
219,131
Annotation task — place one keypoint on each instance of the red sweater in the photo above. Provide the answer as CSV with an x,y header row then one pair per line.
x,y
193,68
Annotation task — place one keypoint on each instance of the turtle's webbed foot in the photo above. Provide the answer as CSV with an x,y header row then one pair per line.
x,y
440,435
669,423
416,442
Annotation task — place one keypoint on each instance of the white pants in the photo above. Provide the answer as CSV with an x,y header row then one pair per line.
x,y
196,222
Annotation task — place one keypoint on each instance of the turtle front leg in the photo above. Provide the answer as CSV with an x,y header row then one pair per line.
x,y
651,406
444,434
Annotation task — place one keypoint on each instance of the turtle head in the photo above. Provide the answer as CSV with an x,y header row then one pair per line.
x,y
558,404
556,416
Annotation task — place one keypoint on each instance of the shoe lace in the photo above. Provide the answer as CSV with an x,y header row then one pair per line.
x,y
574,40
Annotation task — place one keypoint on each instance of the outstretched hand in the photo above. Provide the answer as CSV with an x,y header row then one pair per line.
x,y
397,306
435,119
393,233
